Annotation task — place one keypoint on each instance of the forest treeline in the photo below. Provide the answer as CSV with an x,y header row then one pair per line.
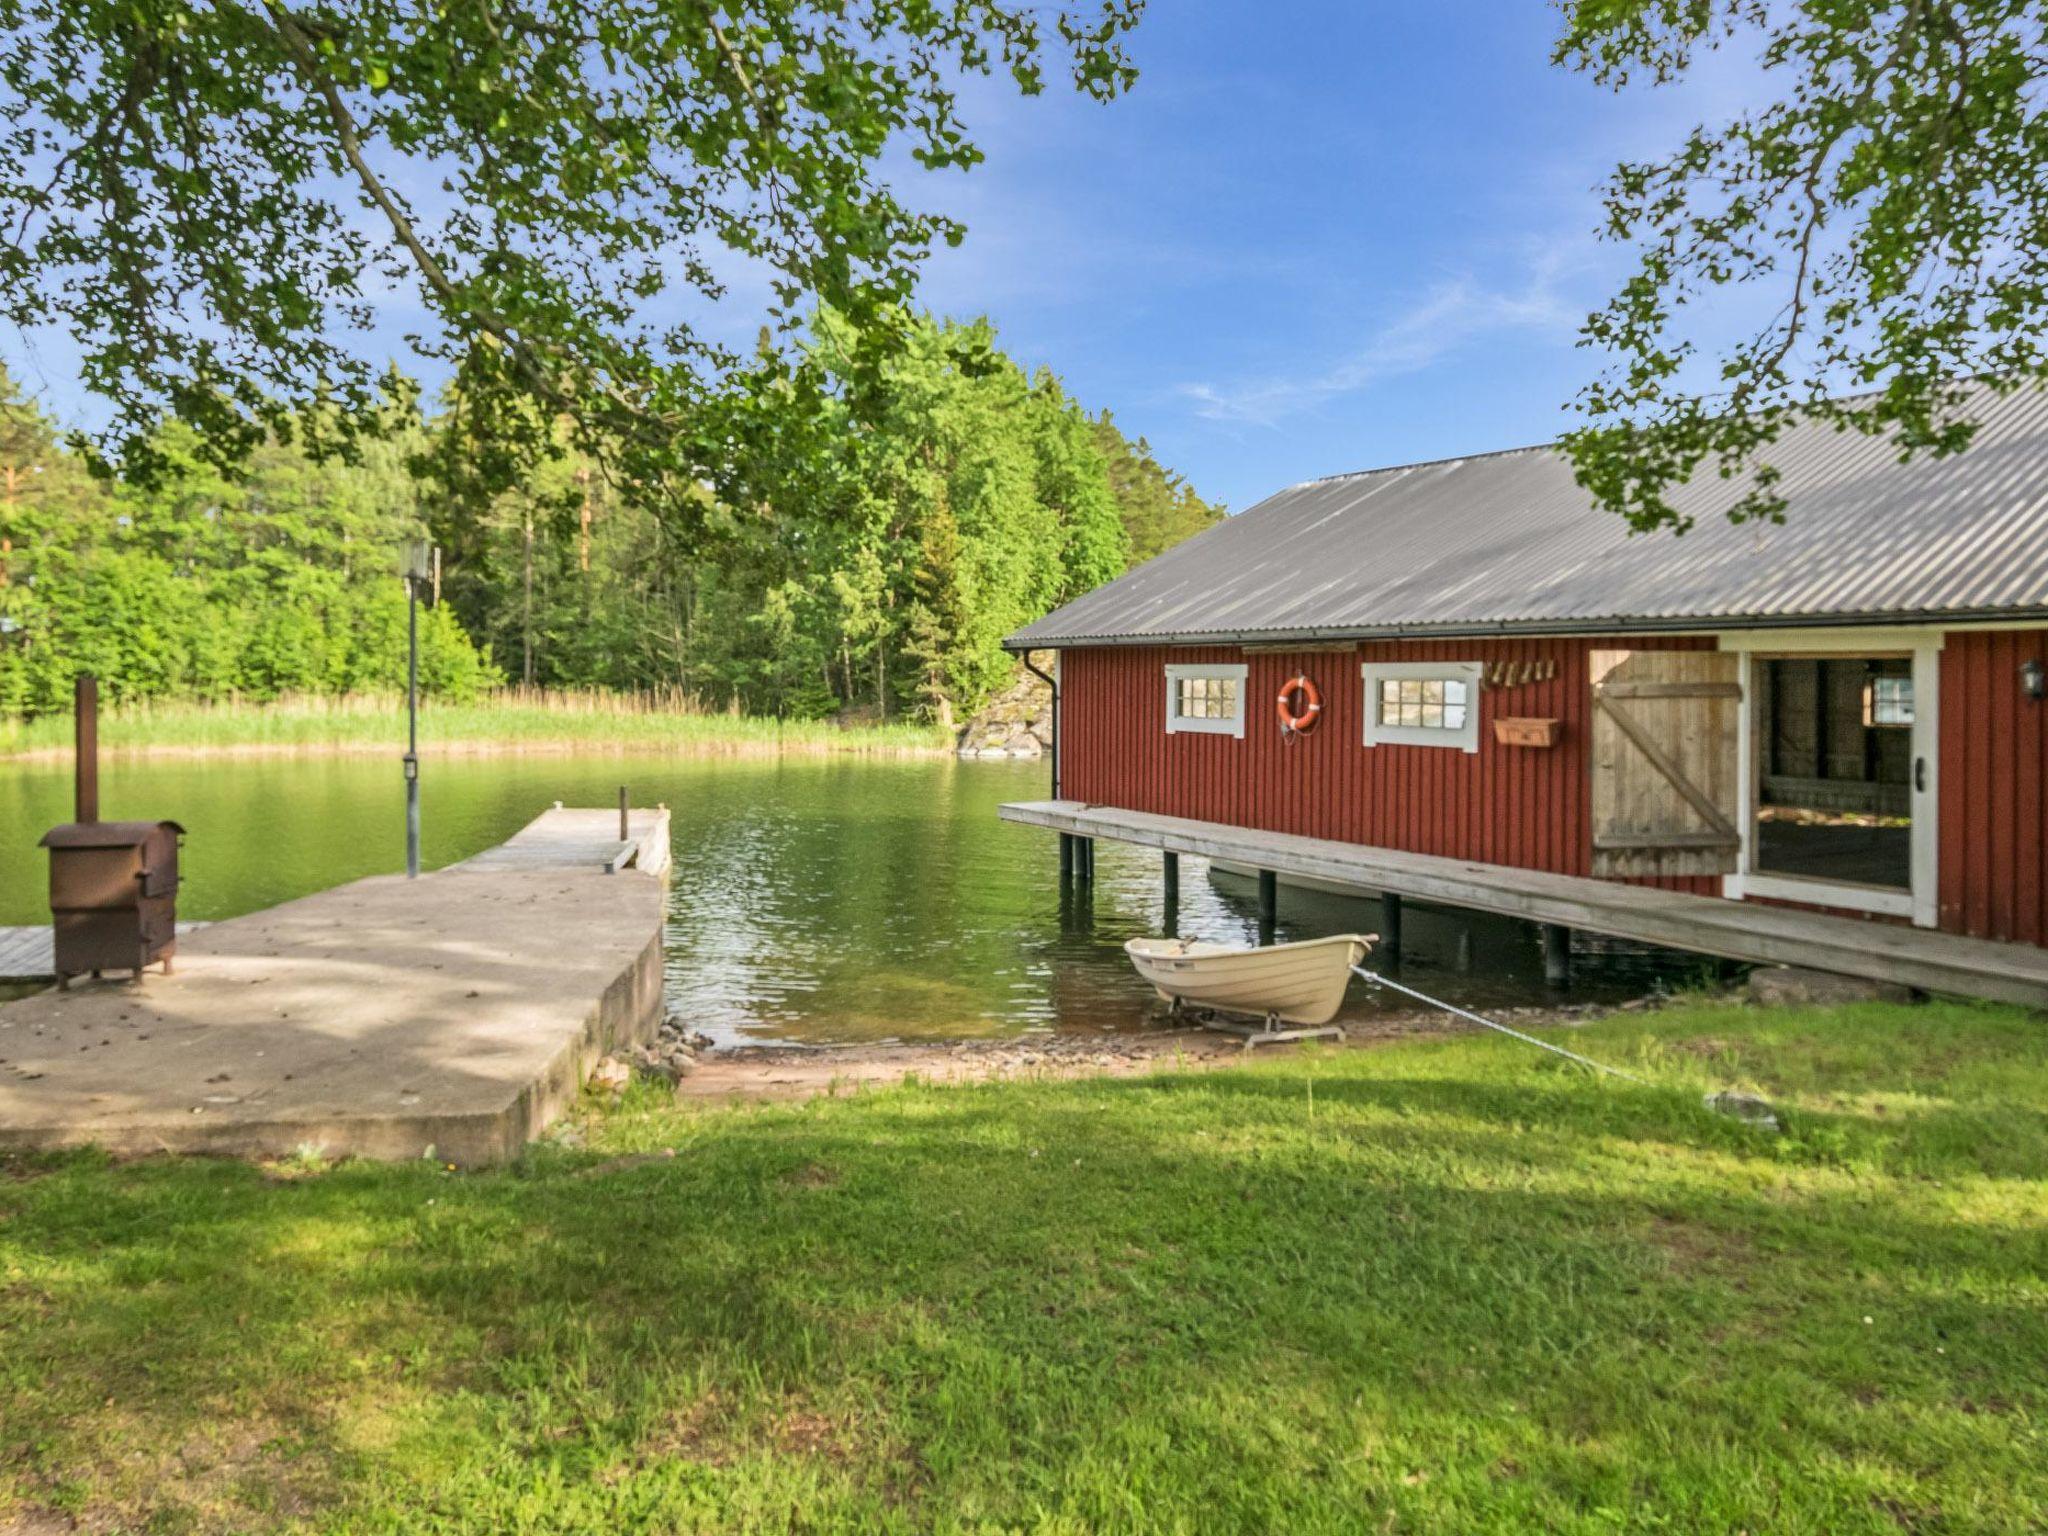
x,y
873,567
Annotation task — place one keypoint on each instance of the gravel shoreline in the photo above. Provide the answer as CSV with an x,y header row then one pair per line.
x,y
800,1071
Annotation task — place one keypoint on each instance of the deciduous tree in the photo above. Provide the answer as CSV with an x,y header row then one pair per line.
x,y
1891,198
216,197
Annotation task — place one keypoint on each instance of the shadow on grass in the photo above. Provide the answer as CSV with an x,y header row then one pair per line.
x,y
1927,1138
1058,1298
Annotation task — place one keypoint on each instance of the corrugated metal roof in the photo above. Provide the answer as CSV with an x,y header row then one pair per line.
x,y
1508,541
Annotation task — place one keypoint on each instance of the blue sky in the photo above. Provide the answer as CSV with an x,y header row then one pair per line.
x,y
1318,236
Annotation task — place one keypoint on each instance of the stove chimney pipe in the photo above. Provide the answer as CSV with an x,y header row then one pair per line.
x,y
86,723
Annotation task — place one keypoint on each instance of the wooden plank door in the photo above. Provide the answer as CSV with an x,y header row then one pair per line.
x,y
1666,773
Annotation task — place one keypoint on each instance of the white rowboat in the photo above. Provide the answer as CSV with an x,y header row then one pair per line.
x,y
1290,983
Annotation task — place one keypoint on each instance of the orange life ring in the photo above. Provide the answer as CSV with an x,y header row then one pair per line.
x,y
1299,722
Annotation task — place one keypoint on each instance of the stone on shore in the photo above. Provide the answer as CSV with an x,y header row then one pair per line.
x,y
1791,986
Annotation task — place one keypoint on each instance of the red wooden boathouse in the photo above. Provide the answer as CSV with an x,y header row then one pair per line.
x,y
1842,714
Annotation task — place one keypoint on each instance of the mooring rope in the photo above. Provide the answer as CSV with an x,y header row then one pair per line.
x,y
1542,1045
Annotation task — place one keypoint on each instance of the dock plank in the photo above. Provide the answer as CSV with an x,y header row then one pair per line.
x,y
1747,931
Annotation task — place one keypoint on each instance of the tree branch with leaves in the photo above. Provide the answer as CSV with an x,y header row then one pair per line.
x,y
217,199
1892,200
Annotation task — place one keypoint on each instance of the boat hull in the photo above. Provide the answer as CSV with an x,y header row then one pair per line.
x,y
1296,983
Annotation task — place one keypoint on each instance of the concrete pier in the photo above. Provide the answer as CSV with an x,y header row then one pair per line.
x,y
457,1012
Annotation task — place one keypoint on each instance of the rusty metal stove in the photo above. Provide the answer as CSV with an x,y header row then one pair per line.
x,y
113,884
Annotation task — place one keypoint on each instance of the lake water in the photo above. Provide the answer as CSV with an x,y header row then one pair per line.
x,y
814,900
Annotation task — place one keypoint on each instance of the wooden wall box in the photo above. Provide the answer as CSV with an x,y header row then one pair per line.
x,y
1525,731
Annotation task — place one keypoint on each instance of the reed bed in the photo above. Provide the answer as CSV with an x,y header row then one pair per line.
x,y
509,720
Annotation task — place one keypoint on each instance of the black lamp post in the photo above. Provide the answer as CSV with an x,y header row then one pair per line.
x,y
416,565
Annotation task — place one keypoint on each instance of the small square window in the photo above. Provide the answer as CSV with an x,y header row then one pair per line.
x,y
1422,704
1205,698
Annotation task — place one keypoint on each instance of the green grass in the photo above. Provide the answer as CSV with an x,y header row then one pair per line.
x,y
514,720
1448,1286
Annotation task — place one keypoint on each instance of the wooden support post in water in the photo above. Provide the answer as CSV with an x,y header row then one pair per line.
x,y
1066,859
1170,883
1084,859
625,828
1269,904
1557,954
1390,925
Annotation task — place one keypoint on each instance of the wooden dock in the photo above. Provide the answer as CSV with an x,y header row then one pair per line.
x,y
574,837
1747,931
454,1014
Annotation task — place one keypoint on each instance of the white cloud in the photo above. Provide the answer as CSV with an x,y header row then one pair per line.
x,y
1447,318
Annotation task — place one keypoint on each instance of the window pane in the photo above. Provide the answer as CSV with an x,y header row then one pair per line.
x,y
1423,703
1891,701
1205,698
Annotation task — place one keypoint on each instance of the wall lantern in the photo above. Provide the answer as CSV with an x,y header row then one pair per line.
x,y
2033,680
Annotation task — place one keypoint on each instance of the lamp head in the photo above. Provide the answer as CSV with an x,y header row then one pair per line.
x,y
416,560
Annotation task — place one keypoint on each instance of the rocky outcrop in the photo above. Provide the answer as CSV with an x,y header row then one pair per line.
x,y
1016,723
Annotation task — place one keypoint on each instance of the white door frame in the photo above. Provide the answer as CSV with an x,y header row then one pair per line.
x,y
1921,903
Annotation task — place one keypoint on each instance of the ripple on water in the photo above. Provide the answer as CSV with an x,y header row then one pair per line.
x,y
814,900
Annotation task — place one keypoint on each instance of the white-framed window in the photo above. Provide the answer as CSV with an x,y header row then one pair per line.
x,y
1422,703
1205,696
1888,700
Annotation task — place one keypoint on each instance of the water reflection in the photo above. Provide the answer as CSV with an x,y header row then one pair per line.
x,y
813,900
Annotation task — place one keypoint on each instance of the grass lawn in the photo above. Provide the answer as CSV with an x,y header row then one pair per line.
x,y
1443,1286
514,720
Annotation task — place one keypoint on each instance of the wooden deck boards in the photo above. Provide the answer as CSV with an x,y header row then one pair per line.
x,y
26,953
575,837
1748,931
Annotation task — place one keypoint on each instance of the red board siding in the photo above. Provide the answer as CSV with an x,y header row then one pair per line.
x,y
1519,806
1994,756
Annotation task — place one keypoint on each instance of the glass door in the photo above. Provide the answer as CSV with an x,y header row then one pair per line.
x,y
1841,802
